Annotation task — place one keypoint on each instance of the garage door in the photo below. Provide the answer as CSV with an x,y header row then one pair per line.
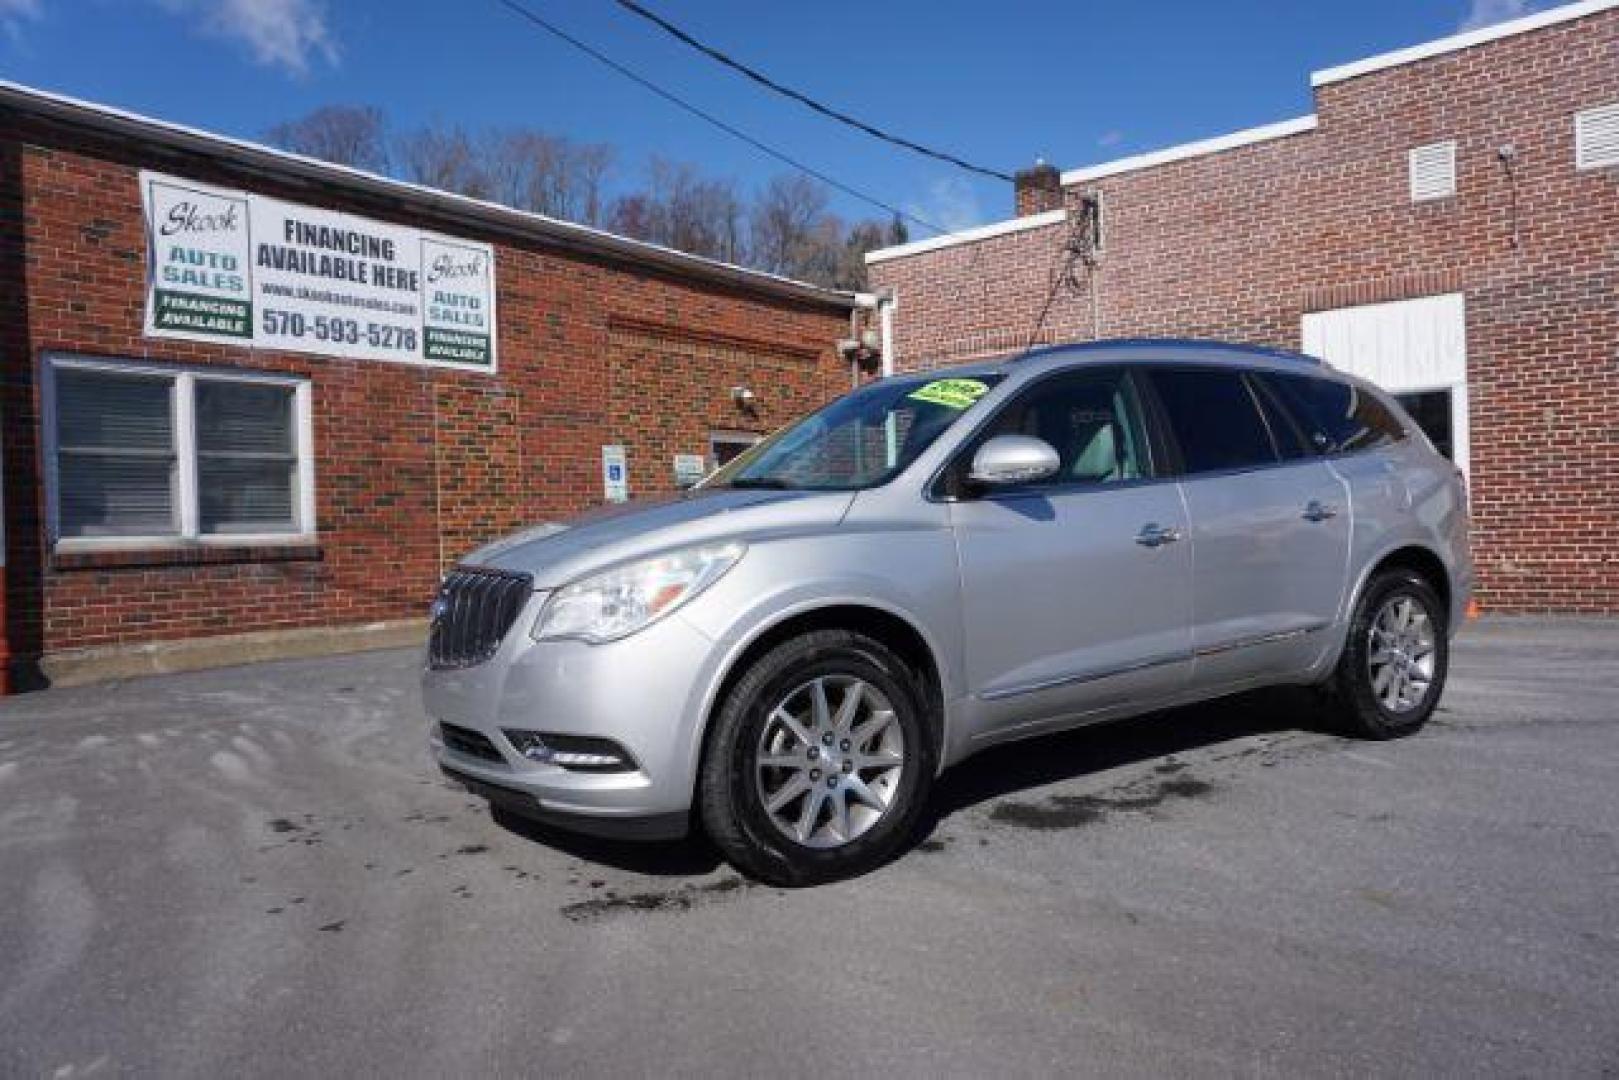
x,y
1415,349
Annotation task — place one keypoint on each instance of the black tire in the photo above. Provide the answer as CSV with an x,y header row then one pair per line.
x,y
730,804
1350,692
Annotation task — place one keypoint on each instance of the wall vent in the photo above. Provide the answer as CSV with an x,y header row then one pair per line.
x,y
1596,137
1433,171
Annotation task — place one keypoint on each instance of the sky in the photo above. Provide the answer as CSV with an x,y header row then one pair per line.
x,y
1001,84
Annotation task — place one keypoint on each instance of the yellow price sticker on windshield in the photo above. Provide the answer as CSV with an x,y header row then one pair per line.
x,y
951,393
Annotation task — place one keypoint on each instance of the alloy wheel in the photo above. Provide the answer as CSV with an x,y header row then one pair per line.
x,y
826,773
1401,655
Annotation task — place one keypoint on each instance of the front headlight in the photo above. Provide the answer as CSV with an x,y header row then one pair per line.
x,y
619,602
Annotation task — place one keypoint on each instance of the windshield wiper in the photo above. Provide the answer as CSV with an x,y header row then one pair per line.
x,y
770,483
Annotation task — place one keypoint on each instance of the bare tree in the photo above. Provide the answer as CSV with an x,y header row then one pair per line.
x,y
444,158
685,210
353,135
786,224
864,236
898,231
592,164
552,174
787,229
631,216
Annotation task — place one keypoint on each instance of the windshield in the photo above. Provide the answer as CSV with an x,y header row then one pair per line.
x,y
861,440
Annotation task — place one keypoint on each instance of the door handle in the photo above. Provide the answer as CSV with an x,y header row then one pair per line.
x,y
1154,535
1316,510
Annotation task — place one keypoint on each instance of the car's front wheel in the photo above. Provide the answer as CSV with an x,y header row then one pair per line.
x,y
1393,666
819,761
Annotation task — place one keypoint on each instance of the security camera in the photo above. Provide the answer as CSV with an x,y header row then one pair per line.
x,y
742,395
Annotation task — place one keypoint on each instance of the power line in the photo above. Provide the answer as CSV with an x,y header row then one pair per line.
x,y
804,99
1078,247
600,57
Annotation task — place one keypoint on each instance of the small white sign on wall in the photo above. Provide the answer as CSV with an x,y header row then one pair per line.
x,y
615,474
689,468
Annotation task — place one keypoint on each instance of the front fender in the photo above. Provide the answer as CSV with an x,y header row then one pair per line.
x,y
909,574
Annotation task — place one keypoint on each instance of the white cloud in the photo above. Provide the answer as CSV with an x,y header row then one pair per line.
x,y
289,34
1489,12
13,13
950,203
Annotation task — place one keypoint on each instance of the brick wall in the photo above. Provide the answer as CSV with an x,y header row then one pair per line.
x,y
1240,244
671,389
413,466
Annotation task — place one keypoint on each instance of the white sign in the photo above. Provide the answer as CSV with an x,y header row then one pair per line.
x,y
689,468
240,268
615,474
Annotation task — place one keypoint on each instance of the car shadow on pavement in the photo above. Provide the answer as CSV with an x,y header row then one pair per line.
x,y
1005,770
1069,755
691,856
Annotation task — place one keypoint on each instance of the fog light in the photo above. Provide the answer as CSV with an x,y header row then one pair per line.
x,y
578,752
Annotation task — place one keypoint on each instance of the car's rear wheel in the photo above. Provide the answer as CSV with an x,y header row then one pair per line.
x,y
819,761
1392,671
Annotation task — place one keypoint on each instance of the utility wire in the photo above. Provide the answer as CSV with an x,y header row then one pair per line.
x,y
1078,247
804,99
526,13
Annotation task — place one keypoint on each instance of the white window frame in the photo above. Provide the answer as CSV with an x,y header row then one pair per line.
x,y
1446,147
1395,379
1461,443
730,437
187,503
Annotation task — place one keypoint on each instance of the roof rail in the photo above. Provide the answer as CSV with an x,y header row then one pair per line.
x,y
1176,343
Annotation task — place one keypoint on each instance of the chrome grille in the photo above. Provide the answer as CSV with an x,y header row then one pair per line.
x,y
474,610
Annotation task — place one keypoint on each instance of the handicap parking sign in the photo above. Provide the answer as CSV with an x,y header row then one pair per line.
x,y
615,474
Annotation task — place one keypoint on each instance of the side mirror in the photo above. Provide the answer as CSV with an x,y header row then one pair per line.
x,y
1013,459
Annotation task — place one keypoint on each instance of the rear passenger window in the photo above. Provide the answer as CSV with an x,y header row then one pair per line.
x,y
1338,418
1291,442
1214,419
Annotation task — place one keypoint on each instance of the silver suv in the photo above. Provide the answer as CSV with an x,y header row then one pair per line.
x,y
934,564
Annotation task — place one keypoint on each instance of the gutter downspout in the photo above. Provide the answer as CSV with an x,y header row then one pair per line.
x,y
863,302
887,302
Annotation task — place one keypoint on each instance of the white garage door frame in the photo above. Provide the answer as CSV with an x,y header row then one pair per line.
x,y
1405,347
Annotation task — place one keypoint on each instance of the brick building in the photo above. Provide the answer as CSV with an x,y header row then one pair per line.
x,y
189,480
1445,222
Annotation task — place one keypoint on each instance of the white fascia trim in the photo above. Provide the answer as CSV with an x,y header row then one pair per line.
x,y
1263,133
1483,34
968,236
253,154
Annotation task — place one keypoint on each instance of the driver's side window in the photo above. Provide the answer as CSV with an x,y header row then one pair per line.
x,y
1090,417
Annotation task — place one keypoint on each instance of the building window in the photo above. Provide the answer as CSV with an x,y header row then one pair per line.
x,y
148,453
1431,409
1433,171
1596,137
725,446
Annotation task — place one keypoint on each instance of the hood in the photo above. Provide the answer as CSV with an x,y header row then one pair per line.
x,y
557,552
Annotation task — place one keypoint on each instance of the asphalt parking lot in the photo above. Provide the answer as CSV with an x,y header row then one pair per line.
x,y
258,871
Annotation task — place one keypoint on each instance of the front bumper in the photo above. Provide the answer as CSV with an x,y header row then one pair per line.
x,y
645,692
527,805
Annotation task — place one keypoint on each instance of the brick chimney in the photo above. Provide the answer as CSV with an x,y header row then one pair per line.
x,y
1038,189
